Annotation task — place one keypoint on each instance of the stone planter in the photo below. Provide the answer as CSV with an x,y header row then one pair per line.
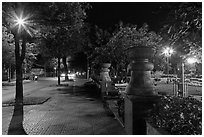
x,y
140,82
105,78
140,96
104,75
140,52
106,65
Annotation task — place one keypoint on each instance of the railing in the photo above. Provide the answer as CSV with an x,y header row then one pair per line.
x,y
177,89
115,103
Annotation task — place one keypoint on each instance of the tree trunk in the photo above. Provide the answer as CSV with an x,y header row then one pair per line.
x,y
16,124
88,70
58,70
19,79
64,60
45,75
9,73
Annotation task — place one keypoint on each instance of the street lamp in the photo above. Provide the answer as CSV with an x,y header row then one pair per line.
x,y
21,22
168,51
189,60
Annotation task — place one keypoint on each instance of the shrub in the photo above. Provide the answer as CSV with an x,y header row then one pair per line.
x,y
178,115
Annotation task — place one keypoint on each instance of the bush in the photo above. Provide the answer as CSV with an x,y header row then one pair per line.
x,y
178,115
92,88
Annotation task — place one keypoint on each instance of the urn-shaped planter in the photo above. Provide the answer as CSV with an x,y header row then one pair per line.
x,y
106,65
140,52
140,82
105,72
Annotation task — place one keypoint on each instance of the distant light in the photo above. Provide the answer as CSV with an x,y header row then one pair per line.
x,y
63,75
168,51
171,51
191,60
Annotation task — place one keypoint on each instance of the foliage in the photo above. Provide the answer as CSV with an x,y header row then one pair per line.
x,y
178,115
183,29
130,36
60,27
7,48
100,52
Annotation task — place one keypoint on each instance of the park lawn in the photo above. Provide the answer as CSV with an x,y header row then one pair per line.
x,y
168,89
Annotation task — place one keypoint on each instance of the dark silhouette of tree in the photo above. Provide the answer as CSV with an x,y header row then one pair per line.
x,y
62,23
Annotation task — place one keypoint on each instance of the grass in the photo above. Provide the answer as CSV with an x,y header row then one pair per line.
x,y
27,101
168,89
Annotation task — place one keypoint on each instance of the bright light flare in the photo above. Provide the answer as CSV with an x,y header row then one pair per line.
x,y
168,51
21,22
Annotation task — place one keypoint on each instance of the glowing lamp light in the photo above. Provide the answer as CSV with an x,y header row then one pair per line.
x,y
191,60
21,22
168,51
171,51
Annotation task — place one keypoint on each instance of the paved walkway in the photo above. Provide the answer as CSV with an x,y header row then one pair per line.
x,y
69,111
13,82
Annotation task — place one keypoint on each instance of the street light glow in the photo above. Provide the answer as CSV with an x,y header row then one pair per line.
x,y
191,60
21,22
168,51
171,51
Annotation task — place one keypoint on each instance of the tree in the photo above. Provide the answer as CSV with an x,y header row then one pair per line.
x,y
8,60
17,19
96,47
128,36
62,23
182,30
184,27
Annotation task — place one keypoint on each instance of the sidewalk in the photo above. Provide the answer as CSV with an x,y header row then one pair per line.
x,y
70,111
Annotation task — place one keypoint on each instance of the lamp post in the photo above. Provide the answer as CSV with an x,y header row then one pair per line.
x,y
55,73
19,25
189,60
168,52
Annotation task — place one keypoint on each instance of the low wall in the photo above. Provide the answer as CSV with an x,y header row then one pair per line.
x,y
151,130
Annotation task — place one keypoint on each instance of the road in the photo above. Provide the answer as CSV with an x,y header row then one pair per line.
x,y
8,92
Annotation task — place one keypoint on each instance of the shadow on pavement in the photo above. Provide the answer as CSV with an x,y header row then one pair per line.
x,y
16,124
88,91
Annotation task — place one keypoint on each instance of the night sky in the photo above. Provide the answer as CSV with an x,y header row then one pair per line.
x,y
107,14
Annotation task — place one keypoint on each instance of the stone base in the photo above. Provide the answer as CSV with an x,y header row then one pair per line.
x,y
136,107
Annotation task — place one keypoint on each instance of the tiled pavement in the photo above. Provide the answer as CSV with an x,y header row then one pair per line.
x,y
69,111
